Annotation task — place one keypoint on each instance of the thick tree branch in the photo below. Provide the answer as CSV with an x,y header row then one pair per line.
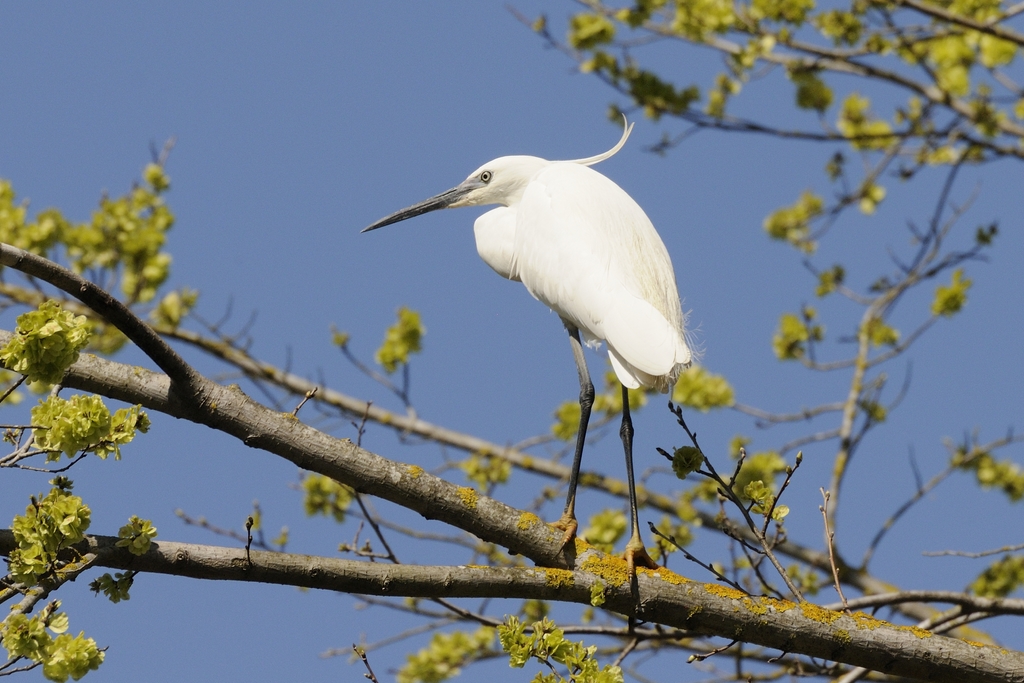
x,y
136,385
233,412
258,369
667,598
187,381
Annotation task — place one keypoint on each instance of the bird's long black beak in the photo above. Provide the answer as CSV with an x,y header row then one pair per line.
x,y
441,201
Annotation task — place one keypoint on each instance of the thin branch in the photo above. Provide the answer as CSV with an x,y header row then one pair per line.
x,y
829,541
993,29
983,553
366,662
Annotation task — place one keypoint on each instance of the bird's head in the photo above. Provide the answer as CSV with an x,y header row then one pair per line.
x,y
501,181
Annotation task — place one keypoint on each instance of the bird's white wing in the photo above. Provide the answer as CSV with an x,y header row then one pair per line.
x,y
495,233
588,251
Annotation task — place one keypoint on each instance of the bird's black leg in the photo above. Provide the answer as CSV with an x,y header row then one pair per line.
x,y
636,553
568,521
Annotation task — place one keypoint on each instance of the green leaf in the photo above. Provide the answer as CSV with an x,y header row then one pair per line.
x,y
401,339
24,636
605,529
864,131
173,308
127,233
829,280
567,420
700,389
788,11
871,195
791,337
1001,578
48,526
445,656
136,535
759,470
45,343
70,426
880,333
72,657
686,460
324,496
587,31
792,223
811,91
949,300
115,587
485,469
844,28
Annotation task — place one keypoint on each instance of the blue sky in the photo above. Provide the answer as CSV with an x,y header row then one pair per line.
x,y
297,125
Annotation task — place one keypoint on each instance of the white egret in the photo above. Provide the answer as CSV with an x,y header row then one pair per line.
x,y
582,246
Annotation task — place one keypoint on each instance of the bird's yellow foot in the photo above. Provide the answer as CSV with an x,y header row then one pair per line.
x,y
636,556
568,524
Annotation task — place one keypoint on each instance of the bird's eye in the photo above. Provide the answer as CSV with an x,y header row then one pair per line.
x,y
485,177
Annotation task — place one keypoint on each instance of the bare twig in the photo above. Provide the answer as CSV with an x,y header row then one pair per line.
x,y
366,662
983,553
829,538
309,394
717,650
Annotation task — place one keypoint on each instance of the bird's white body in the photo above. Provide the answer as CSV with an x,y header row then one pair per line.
x,y
583,247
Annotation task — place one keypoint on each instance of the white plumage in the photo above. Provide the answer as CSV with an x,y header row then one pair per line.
x,y
583,247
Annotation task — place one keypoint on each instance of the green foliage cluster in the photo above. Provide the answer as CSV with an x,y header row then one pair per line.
x,y
46,342
485,470
755,482
36,237
84,423
811,91
880,333
763,499
829,280
70,425
445,656
136,535
1000,579
793,223
795,332
64,656
324,496
607,403
951,64
126,234
173,307
856,122
807,579
991,472
759,468
950,299
400,340
547,644
48,526
686,460
605,528
702,390
116,587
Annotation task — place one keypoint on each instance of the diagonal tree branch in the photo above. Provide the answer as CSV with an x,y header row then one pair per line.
x,y
938,12
187,381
